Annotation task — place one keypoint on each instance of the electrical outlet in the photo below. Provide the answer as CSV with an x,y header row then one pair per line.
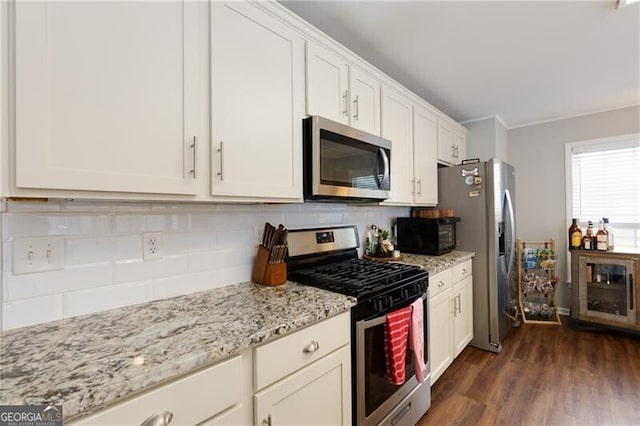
x,y
151,245
38,254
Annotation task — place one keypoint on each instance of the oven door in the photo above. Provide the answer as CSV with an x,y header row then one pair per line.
x,y
375,396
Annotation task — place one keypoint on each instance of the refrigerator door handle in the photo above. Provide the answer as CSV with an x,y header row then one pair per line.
x,y
512,226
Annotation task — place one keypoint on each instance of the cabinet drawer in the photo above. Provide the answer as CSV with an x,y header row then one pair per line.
x,y
282,357
462,271
191,399
440,282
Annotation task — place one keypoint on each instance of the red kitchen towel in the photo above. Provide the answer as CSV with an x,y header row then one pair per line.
x,y
416,337
396,333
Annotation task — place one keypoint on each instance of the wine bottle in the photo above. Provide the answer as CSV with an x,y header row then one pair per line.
x,y
601,238
575,235
610,233
587,239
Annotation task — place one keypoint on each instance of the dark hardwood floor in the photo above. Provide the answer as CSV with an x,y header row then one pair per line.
x,y
545,375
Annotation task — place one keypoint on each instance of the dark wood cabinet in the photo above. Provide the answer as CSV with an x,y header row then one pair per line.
x,y
605,288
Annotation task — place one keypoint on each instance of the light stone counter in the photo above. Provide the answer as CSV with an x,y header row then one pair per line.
x,y
94,360
435,264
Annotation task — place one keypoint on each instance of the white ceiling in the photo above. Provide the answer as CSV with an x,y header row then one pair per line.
x,y
524,61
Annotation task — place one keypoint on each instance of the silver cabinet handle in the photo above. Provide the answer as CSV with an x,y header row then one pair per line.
x,y
440,284
267,421
464,271
355,102
345,111
162,418
453,150
194,146
311,347
221,151
419,187
459,303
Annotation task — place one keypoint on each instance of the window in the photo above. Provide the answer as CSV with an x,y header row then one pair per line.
x,y
603,180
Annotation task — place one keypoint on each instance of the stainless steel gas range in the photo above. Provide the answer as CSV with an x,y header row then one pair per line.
x,y
327,258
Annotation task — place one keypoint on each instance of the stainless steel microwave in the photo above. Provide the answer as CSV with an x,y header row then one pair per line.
x,y
344,164
432,236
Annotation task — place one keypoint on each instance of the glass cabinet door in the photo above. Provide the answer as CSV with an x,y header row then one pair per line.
x,y
607,289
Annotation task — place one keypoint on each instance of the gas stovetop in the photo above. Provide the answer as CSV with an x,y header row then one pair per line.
x,y
358,277
327,258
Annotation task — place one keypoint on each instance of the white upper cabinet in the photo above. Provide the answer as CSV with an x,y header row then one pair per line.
x,y
460,142
397,127
425,154
452,142
104,96
327,85
341,92
365,101
257,69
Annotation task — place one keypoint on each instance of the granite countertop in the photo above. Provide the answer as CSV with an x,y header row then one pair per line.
x,y
94,360
435,264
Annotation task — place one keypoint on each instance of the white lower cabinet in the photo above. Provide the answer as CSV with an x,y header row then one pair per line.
x,y
301,378
463,314
305,378
450,316
317,394
214,396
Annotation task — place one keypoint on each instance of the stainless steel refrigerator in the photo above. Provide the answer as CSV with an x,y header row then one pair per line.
x,y
483,196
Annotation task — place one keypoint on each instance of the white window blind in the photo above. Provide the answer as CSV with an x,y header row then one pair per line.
x,y
605,182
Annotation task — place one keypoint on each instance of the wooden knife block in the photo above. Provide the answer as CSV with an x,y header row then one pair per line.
x,y
266,273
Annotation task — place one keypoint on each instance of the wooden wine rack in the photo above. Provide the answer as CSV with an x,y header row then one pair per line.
x,y
537,281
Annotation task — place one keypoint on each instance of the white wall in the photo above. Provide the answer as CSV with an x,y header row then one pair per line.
x,y
205,246
537,152
487,139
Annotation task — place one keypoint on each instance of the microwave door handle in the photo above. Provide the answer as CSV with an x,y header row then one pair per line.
x,y
385,163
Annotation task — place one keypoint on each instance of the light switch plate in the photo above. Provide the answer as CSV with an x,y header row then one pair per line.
x,y
38,254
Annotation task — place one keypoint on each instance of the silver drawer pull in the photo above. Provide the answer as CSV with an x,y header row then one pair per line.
x,y
440,283
163,418
464,271
311,347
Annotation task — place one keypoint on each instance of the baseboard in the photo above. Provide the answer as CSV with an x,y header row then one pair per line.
x,y
564,311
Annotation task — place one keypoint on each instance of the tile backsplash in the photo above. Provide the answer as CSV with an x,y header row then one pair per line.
x,y
204,246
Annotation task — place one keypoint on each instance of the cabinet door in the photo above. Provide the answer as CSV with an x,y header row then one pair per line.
x,y
190,399
365,101
445,142
440,343
104,95
460,142
606,289
425,156
327,84
397,127
318,394
462,314
258,104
